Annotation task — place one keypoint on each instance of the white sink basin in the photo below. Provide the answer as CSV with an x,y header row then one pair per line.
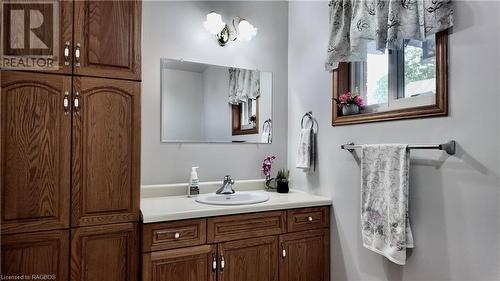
x,y
238,198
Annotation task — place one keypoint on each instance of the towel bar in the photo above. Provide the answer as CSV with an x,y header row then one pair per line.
x,y
449,147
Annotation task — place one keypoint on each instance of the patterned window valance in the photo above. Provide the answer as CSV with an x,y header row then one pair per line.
x,y
353,23
244,84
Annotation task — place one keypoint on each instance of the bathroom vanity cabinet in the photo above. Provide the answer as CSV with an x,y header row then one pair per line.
x,y
267,246
307,255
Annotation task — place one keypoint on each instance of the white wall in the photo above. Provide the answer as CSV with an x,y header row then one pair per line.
x,y
182,90
454,201
174,30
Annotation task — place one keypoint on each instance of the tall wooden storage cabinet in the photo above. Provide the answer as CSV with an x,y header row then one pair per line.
x,y
70,151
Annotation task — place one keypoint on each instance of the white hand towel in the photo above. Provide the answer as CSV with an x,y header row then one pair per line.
x,y
385,225
306,158
265,137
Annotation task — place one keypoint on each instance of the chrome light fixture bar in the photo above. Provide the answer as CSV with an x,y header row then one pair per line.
x,y
242,29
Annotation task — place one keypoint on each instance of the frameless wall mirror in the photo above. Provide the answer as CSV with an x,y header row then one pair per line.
x,y
408,83
212,103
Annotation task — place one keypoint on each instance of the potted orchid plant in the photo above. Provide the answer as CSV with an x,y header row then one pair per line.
x,y
350,103
266,170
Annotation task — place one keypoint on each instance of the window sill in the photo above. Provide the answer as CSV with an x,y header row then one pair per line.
x,y
406,113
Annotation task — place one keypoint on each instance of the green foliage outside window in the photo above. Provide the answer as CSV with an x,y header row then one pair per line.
x,y
414,70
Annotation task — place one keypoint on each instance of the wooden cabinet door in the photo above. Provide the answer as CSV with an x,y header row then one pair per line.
x,y
305,256
56,20
38,255
34,152
66,45
65,48
108,34
185,264
104,253
106,151
249,260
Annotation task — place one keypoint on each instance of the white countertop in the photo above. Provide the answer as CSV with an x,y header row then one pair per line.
x,y
169,208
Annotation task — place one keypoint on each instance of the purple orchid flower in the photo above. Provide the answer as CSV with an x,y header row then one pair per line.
x,y
267,165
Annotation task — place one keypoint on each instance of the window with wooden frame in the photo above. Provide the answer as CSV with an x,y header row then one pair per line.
x,y
245,117
408,83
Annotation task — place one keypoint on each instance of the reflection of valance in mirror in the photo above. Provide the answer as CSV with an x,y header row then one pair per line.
x,y
243,85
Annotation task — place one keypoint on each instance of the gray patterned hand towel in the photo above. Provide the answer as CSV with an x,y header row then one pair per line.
x,y
385,227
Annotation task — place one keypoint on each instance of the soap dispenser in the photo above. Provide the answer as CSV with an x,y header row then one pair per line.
x,y
194,184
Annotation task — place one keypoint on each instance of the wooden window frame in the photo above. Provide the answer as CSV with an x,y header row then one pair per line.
x,y
236,121
341,81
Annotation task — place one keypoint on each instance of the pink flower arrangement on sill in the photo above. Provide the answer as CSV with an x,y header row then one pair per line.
x,y
349,98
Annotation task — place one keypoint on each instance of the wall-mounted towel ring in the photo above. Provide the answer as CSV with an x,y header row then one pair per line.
x,y
311,118
307,154
267,125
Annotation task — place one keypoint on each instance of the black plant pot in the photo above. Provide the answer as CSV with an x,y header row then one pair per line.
x,y
282,186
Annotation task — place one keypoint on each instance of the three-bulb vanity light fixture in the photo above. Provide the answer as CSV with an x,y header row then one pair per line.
x,y
243,30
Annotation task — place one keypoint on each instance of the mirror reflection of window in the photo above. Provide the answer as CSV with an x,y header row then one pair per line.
x,y
212,103
396,79
248,114
244,94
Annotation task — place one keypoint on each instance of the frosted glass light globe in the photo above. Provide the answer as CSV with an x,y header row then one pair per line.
x,y
246,30
214,23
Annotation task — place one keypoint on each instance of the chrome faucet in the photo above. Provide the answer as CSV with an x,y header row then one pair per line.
x,y
227,186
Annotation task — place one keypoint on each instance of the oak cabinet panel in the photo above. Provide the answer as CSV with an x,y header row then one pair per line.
x,y
249,259
35,152
94,38
36,254
66,37
108,35
226,228
65,57
186,264
176,234
74,142
308,218
106,147
305,256
104,253
54,48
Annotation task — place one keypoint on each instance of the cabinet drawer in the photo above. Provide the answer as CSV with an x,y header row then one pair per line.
x,y
308,218
177,234
235,227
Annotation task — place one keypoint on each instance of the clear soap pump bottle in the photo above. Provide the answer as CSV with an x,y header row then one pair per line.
x,y
194,184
